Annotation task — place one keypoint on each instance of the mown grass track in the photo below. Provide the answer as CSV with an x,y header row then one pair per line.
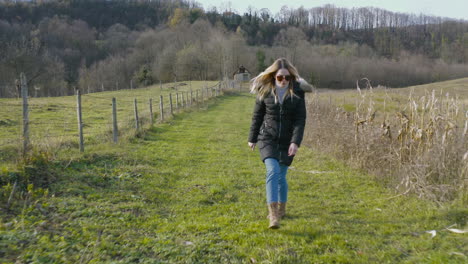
x,y
190,191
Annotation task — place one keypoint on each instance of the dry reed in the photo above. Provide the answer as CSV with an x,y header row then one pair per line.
x,y
421,148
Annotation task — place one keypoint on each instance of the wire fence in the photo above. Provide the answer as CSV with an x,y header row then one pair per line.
x,y
32,122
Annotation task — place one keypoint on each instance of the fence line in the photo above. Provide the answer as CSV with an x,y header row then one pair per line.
x,y
59,135
49,123
10,104
120,118
9,141
58,106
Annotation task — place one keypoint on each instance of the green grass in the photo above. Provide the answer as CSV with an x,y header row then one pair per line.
x,y
53,121
190,191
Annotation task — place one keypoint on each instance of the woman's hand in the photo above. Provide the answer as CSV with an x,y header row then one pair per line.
x,y
292,149
252,145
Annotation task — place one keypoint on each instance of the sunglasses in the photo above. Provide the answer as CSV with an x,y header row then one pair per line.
x,y
280,78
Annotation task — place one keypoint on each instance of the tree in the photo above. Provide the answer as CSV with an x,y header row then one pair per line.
x,y
144,77
261,61
180,16
291,38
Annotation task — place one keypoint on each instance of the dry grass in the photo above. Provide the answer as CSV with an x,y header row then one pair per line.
x,y
412,139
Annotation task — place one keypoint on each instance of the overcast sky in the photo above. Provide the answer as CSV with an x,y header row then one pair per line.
x,y
444,8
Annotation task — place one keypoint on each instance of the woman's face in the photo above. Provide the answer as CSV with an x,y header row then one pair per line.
x,y
282,78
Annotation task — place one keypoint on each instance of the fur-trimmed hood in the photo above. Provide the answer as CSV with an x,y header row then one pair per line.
x,y
305,86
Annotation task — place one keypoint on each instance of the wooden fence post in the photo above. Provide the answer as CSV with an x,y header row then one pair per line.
x,y
137,123
170,104
80,120
201,95
161,107
183,100
191,97
114,120
151,110
196,96
177,102
24,94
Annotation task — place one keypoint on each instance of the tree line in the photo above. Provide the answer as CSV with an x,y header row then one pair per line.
x,y
105,45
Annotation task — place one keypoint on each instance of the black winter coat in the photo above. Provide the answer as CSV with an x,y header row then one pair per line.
x,y
275,126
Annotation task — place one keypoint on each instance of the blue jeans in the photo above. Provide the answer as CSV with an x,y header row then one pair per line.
x,y
276,184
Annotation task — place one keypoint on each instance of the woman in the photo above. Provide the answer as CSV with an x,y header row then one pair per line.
x,y
277,128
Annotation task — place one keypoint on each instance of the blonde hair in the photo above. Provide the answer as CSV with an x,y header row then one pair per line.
x,y
264,84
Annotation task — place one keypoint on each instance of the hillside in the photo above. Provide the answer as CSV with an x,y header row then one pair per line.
x,y
190,191
92,44
393,98
457,87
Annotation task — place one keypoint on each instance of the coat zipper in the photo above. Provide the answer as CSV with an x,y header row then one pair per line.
x,y
279,134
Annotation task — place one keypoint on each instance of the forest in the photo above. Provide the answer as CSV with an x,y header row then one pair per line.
x,y
92,45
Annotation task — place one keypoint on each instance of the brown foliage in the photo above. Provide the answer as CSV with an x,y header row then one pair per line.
x,y
420,149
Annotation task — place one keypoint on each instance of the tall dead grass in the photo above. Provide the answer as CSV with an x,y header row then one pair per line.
x,y
421,148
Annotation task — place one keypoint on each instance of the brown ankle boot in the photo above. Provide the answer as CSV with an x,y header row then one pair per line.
x,y
281,210
273,216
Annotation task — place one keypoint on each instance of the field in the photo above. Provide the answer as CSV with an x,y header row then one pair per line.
x,y
190,191
53,121
393,100
411,139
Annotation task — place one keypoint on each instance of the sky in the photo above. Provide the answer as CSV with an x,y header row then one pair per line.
x,y
457,9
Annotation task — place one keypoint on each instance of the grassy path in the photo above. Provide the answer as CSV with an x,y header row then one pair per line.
x,y
190,191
